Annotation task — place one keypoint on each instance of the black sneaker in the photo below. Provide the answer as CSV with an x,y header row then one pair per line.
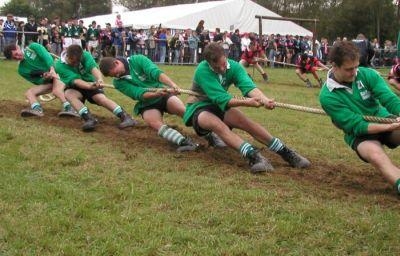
x,y
187,145
294,158
309,84
214,140
258,163
126,121
90,122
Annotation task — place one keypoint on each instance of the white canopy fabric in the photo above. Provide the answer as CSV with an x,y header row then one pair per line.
x,y
227,15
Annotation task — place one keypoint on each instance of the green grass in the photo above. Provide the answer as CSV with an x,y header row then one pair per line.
x,y
63,192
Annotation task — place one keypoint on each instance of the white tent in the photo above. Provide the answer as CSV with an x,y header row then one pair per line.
x,y
227,15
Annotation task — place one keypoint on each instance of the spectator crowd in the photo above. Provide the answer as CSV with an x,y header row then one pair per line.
x,y
165,45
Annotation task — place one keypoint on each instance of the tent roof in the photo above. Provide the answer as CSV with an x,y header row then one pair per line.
x,y
227,15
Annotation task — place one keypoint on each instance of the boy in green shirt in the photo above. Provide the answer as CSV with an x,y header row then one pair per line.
x,y
217,110
79,72
351,92
36,66
132,77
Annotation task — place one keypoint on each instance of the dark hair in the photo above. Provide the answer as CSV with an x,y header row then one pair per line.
x,y
343,51
106,64
213,52
8,51
74,51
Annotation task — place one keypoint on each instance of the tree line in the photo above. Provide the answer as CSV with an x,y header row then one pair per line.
x,y
374,18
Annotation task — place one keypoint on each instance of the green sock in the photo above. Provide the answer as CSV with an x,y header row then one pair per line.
x,y
36,106
83,110
397,186
171,135
276,145
117,110
245,149
66,105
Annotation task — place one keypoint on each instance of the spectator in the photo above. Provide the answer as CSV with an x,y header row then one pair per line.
x,y
193,45
1,36
21,35
200,27
365,48
162,45
236,45
10,30
31,29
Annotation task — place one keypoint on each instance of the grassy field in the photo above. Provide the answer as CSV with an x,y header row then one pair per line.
x,y
112,192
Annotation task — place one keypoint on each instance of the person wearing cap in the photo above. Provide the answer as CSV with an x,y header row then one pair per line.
x,y
10,31
394,76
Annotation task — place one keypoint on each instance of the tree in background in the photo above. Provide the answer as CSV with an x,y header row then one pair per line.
x,y
373,18
57,8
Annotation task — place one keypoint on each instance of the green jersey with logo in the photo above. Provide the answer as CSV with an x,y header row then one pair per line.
x,y
215,87
37,60
83,71
143,73
367,95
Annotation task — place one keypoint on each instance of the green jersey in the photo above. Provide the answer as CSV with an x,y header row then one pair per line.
x,y
65,31
37,60
215,87
83,71
92,34
347,104
141,73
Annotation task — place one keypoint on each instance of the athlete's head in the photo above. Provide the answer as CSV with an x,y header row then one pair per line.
x,y
214,54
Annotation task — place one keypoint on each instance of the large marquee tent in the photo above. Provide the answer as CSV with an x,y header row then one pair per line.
x,y
227,15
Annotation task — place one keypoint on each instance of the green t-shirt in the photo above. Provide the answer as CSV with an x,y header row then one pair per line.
x,y
368,95
36,59
143,73
83,71
215,87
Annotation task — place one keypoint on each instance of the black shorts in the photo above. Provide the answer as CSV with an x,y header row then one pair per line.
x,y
160,105
383,138
88,94
212,109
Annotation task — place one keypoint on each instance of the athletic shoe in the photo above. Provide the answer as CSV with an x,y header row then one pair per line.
x,y
293,158
214,140
259,163
265,77
90,122
126,121
67,112
187,145
27,112
309,84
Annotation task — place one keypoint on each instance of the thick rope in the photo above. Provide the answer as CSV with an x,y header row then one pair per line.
x,y
284,105
374,119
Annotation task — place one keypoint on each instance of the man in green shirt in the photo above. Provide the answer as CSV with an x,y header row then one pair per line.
x,y
36,65
133,77
217,111
83,79
351,92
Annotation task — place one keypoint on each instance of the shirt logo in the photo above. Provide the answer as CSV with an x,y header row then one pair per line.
x,y
364,93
